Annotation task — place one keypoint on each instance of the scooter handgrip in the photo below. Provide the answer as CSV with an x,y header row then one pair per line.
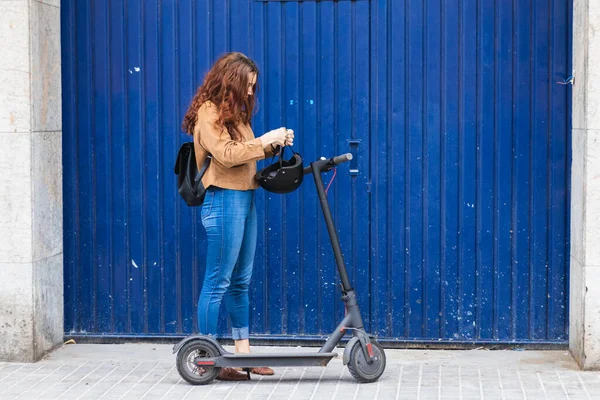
x,y
342,159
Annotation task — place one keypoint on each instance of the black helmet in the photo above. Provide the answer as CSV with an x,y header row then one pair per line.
x,y
283,176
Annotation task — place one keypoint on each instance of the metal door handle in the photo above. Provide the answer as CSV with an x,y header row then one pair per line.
x,y
354,151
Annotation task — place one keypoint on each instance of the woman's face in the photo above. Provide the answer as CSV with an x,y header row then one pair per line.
x,y
251,83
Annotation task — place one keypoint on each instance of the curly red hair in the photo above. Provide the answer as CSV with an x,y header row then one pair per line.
x,y
226,86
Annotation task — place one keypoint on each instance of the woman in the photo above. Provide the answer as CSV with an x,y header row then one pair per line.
x,y
219,120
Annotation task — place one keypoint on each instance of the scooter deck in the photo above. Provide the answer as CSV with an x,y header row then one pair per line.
x,y
271,360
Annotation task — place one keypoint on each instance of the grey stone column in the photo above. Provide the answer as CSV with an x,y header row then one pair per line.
x,y
584,313
31,249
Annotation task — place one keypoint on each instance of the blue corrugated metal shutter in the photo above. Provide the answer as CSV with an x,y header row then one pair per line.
x,y
470,169
453,215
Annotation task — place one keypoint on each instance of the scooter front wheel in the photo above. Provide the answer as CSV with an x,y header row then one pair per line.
x,y
186,362
359,367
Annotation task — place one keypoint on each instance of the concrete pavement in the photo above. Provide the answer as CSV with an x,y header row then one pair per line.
x,y
147,371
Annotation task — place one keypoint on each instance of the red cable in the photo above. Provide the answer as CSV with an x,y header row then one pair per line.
x,y
331,181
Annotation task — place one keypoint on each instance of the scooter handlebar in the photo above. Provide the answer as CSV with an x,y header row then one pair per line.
x,y
337,160
326,164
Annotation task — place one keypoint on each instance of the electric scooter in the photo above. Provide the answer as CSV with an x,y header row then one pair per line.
x,y
200,357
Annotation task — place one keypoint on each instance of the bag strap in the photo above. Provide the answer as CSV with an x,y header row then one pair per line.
x,y
204,167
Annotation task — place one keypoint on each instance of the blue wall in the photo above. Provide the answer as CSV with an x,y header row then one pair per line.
x,y
453,216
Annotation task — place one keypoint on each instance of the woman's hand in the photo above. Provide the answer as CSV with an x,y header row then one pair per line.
x,y
289,137
278,137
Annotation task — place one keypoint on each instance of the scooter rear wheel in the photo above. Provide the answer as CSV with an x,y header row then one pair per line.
x,y
187,367
360,369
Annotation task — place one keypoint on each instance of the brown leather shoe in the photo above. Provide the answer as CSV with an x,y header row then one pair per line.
x,y
230,374
262,371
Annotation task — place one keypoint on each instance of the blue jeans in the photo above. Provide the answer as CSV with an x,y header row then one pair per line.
x,y
229,217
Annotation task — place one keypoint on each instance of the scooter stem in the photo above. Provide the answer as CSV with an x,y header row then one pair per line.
x,y
335,242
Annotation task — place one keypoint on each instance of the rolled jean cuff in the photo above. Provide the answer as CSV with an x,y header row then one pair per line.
x,y
240,333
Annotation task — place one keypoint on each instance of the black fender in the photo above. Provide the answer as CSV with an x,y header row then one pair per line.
x,y
348,349
206,338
